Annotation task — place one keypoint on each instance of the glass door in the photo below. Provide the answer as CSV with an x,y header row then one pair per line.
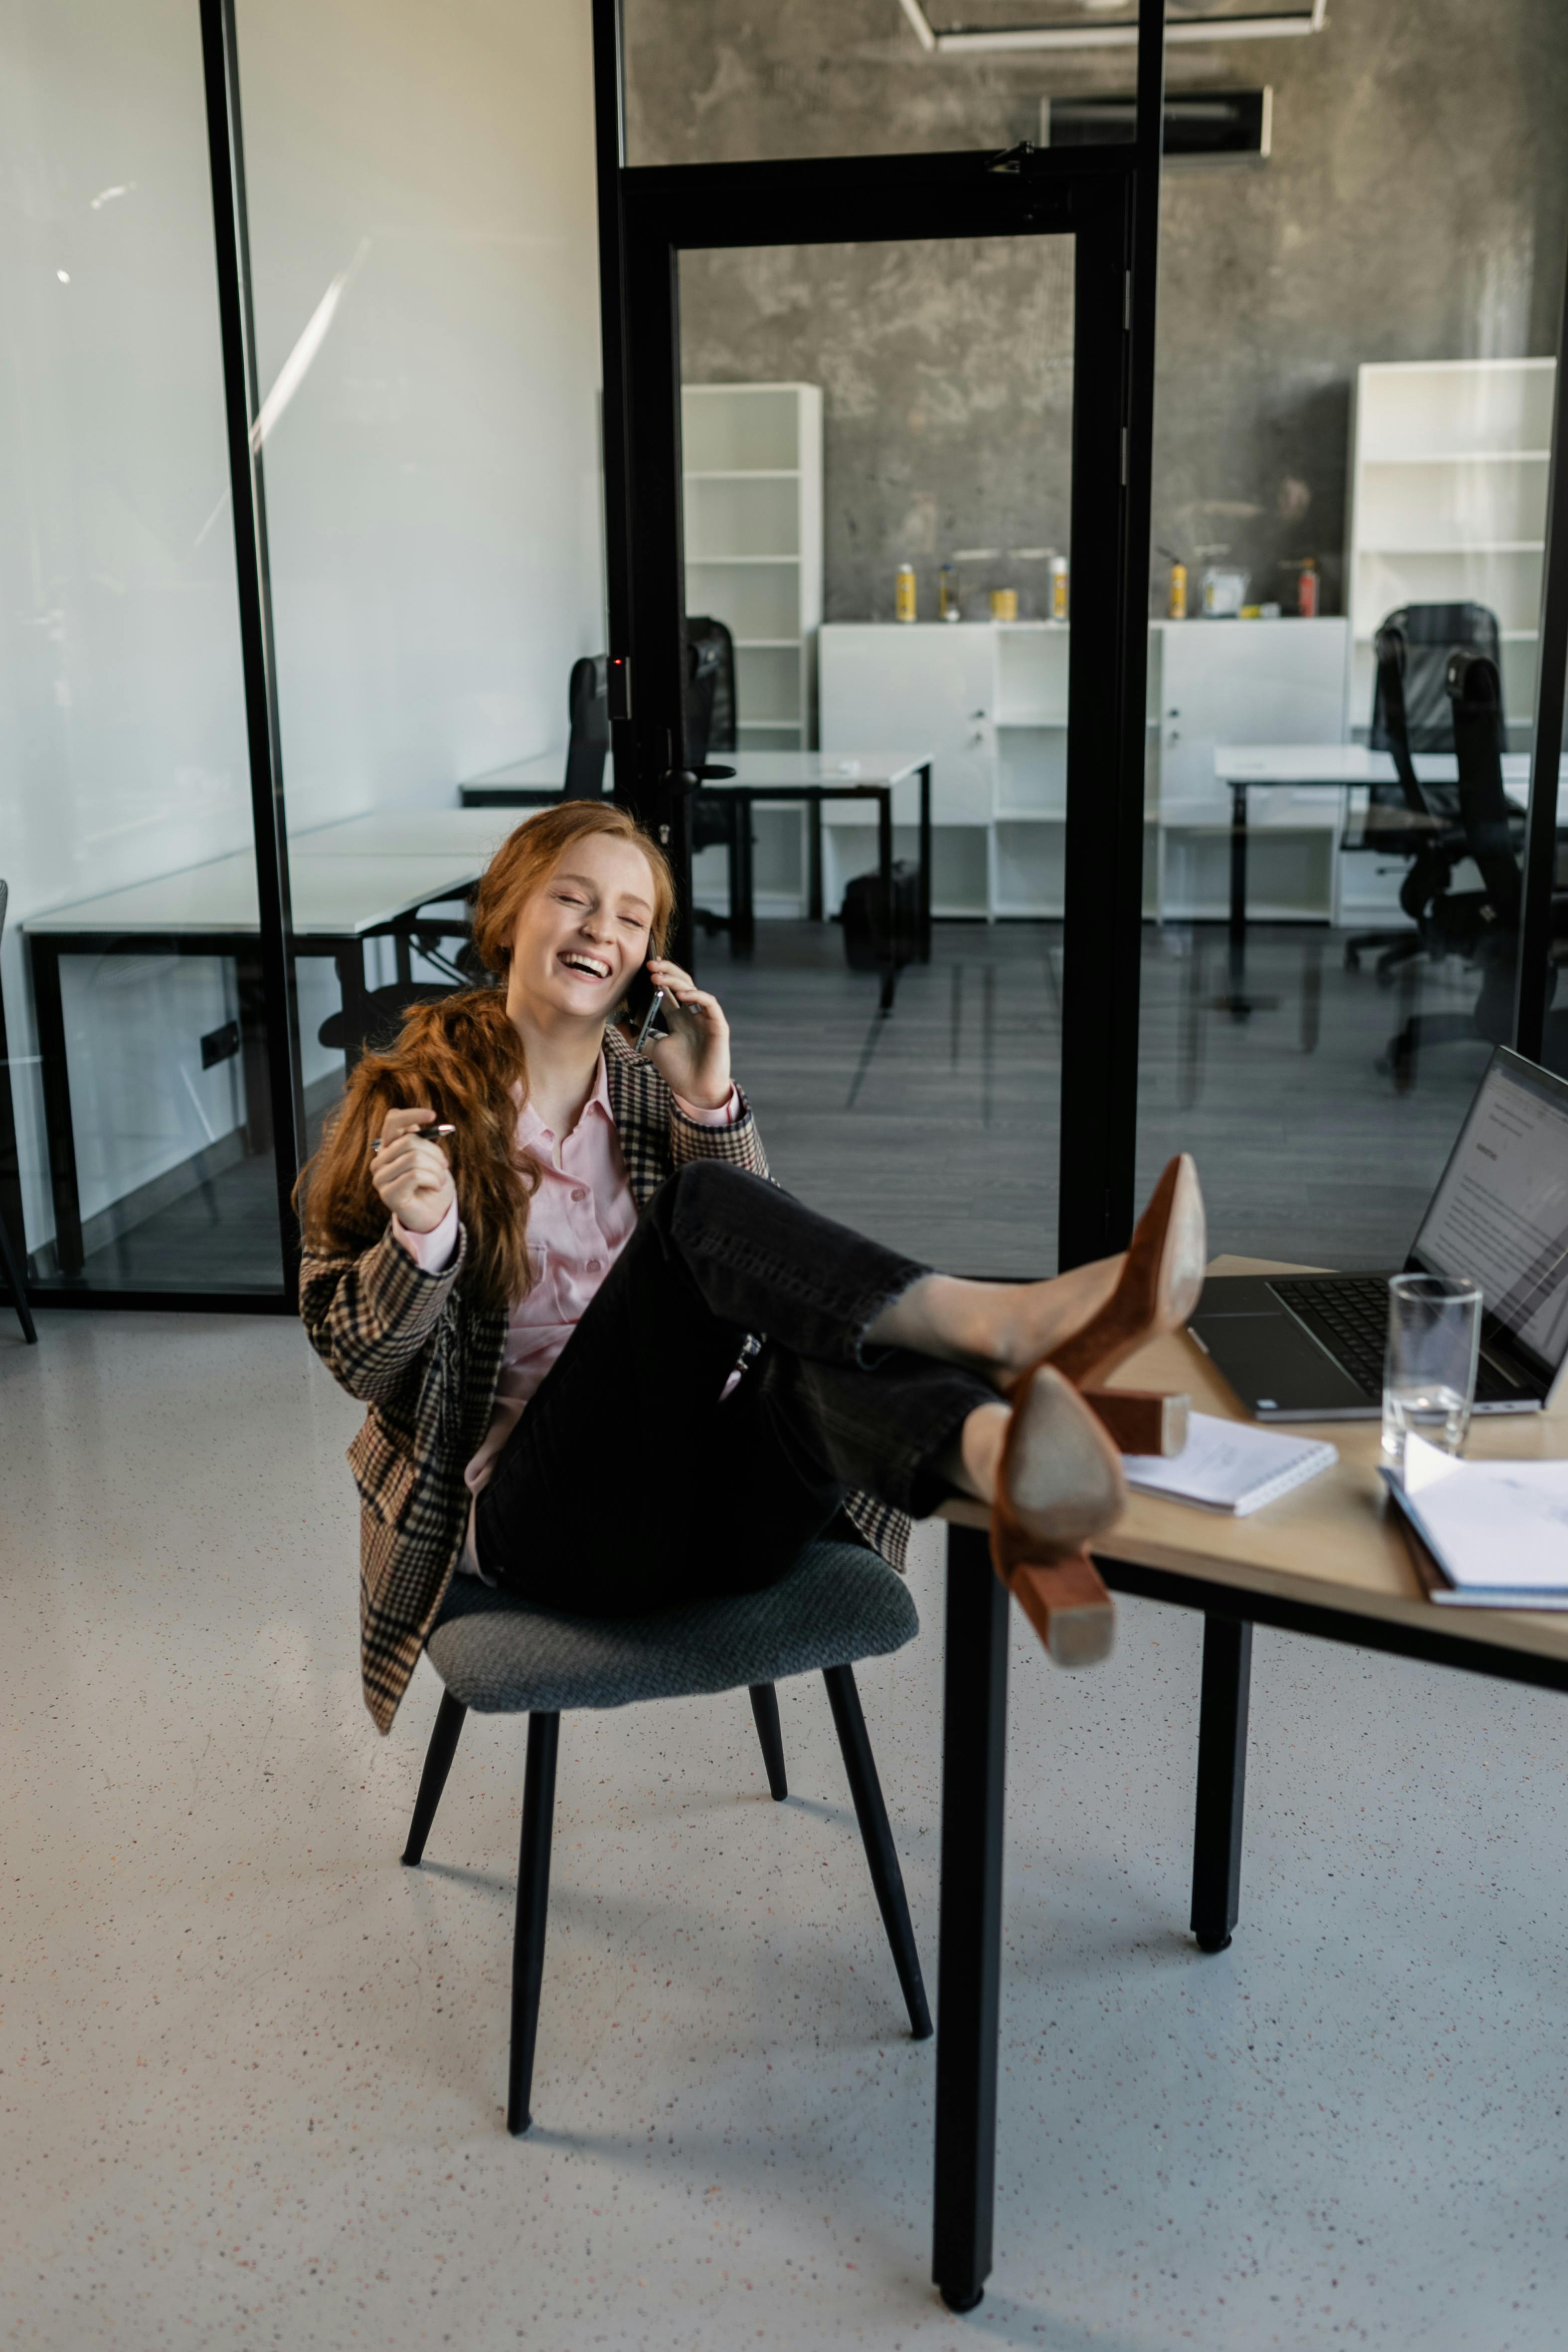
x,y
875,446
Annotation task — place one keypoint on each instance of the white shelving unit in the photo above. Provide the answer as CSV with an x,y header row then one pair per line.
x,y
1448,468
990,701
753,486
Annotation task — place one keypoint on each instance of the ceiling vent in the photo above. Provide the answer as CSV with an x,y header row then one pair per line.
x,y
1202,126
1113,25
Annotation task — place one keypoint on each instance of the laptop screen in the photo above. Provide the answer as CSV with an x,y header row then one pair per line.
x,y
1500,1212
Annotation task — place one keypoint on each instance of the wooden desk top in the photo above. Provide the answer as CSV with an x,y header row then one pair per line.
x,y
1333,1541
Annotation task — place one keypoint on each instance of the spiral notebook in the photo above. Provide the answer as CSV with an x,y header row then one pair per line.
x,y
1230,1466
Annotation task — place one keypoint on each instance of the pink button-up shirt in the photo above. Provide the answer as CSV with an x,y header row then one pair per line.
x,y
580,1221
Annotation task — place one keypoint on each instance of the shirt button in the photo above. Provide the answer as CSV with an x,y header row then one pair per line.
x,y
594,1265
580,1191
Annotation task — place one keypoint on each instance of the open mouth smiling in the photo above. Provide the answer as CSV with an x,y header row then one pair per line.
x,y
593,967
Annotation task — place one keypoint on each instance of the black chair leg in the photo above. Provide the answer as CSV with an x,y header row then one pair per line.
x,y
13,1273
769,1731
533,1905
887,1878
438,1759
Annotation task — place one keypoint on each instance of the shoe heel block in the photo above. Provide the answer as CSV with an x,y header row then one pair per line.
x,y
1140,1420
1069,1608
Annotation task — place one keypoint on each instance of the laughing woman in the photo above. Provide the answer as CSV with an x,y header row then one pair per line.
x,y
548,1314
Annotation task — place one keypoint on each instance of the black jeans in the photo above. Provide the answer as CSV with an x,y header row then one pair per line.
x,y
628,1484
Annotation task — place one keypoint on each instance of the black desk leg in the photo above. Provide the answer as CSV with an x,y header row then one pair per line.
x,y
743,883
251,991
1222,1780
814,861
885,874
49,1012
349,960
1238,1005
926,862
969,1958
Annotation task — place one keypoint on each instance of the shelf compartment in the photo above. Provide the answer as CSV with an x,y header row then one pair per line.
x,y
752,599
767,685
1450,507
1448,408
731,426
1031,771
732,516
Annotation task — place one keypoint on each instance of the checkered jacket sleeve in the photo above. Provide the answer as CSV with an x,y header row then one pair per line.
x,y
371,1319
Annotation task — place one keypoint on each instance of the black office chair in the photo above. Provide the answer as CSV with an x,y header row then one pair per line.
x,y
588,703
375,1026
1411,712
10,1260
1483,926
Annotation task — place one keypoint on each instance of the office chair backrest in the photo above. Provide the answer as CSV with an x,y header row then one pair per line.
x,y
588,701
715,668
1474,688
1430,633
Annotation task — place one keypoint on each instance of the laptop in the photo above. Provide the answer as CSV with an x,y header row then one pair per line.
x,y
1309,1347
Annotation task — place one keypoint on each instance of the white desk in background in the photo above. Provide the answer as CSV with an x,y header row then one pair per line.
x,y
1245,768
340,897
806,778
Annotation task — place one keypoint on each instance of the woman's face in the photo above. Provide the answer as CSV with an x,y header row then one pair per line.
x,y
583,933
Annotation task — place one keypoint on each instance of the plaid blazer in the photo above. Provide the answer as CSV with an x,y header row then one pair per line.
x,y
426,1361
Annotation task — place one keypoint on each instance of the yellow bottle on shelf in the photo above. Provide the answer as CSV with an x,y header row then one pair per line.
x,y
903,592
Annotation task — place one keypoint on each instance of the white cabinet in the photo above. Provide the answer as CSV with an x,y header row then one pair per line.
x,y
1245,682
989,701
922,686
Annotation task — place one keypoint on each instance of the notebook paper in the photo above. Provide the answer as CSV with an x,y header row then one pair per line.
x,y
1228,1465
1498,1530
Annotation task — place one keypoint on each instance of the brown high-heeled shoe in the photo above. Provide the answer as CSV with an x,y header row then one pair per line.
x,y
1043,1562
1158,1288
1059,1482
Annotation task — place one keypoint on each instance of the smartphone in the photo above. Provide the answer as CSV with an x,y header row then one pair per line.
x,y
643,1003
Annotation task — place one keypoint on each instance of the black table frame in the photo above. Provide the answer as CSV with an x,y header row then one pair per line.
x,y
45,952
742,892
974,1791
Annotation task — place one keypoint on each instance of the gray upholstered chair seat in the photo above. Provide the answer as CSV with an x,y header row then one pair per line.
x,y
839,1602
500,1656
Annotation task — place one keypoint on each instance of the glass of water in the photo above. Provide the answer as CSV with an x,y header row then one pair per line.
x,y
1429,1370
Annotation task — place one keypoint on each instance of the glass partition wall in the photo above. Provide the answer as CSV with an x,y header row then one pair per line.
x,y
1353,425
425,413
133,1016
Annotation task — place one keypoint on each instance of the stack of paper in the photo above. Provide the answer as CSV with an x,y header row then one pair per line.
x,y
1496,1532
1228,1465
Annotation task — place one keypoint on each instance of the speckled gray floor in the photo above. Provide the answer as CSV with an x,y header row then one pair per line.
x,y
251,2071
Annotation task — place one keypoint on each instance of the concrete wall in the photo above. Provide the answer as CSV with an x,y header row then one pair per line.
x,y
1415,208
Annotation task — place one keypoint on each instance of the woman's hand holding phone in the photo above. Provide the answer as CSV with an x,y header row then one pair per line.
x,y
411,1173
694,1059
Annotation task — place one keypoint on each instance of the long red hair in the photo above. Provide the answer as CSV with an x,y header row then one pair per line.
x,y
463,1059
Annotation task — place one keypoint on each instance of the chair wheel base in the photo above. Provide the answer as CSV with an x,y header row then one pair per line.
x,y
962,2302
1214,1943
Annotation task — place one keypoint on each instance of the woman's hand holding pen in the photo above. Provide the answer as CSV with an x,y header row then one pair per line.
x,y
410,1171
695,1057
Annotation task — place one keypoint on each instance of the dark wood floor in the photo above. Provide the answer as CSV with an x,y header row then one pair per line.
x,y
937,1130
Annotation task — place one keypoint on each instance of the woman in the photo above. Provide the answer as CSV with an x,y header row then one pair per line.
x,y
549,1315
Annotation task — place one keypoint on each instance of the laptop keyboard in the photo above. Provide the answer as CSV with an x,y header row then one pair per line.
x,y
1350,1317
1348,1313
